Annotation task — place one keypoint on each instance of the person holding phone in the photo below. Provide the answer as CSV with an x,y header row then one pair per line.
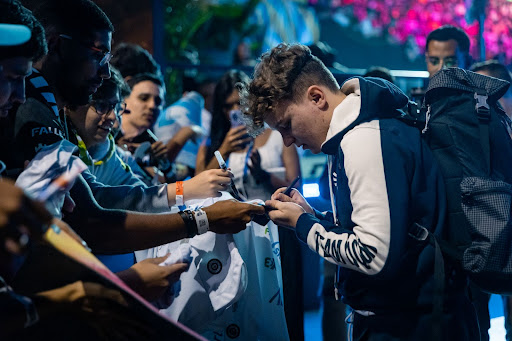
x,y
260,166
246,156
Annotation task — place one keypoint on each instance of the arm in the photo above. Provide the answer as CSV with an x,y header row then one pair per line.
x,y
177,142
371,246
154,199
115,231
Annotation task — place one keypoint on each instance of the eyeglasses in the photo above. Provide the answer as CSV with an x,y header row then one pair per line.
x,y
103,108
106,56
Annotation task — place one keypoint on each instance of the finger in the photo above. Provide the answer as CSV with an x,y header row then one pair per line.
x,y
221,172
239,129
158,260
256,209
282,197
217,187
221,180
247,140
98,290
175,270
221,187
240,134
280,190
275,204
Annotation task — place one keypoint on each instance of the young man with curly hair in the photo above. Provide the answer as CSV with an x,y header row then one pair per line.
x,y
383,182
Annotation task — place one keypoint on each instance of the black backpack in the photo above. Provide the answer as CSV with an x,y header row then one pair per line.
x,y
463,125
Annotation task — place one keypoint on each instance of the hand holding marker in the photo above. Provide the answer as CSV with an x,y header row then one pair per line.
x,y
288,189
232,187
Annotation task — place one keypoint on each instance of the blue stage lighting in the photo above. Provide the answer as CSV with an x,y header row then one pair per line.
x,y
311,190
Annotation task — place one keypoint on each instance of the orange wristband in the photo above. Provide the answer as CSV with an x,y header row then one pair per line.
x,y
179,193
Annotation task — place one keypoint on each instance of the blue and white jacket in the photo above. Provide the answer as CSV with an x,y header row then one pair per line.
x,y
383,179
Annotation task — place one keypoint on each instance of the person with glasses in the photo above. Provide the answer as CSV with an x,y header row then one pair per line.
x,y
105,216
447,46
91,126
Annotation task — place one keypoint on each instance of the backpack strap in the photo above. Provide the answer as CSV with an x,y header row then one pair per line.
x,y
421,234
483,112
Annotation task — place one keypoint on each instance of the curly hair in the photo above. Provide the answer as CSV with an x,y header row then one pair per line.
x,y
283,74
12,12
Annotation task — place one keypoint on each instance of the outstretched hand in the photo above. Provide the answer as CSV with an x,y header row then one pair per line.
x,y
207,184
231,216
149,279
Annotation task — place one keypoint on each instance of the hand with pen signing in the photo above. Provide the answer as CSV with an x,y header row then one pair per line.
x,y
285,210
294,197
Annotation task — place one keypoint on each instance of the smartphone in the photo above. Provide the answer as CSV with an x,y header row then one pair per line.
x,y
235,116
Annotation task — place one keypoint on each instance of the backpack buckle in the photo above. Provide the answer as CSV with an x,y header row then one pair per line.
x,y
418,232
483,110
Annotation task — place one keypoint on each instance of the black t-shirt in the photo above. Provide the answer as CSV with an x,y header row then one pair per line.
x,y
35,124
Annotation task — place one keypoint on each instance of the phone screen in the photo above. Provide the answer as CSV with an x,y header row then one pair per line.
x,y
235,117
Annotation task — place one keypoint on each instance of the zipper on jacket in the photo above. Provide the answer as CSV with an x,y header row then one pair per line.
x,y
427,118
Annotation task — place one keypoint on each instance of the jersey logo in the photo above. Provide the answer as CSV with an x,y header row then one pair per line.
x,y
38,131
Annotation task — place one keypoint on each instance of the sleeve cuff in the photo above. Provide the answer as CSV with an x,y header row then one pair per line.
x,y
304,225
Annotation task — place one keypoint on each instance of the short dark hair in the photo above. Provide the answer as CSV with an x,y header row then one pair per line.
x,y
141,77
132,59
380,72
12,12
284,73
110,86
449,32
324,52
493,68
72,17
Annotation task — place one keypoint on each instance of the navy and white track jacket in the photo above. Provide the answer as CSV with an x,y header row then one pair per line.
x,y
383,179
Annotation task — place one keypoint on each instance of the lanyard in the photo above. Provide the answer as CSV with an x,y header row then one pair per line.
x,y
86,157
247,156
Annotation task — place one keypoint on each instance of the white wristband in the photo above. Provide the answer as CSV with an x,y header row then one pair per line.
x,y
179,193
202,221
179,200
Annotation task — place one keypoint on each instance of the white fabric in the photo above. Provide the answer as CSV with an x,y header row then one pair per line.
x,y
47,165
347,111
182,254
271,161
247,299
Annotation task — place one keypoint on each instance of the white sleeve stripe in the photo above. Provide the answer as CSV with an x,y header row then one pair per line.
x,y
366,249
